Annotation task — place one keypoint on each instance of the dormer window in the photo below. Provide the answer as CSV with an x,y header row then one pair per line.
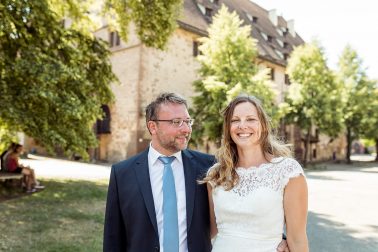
x,y
251,18
280,42
279,31
264,35
285,31
280,54
208,12
202,8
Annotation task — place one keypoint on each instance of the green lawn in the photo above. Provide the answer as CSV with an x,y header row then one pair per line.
x,y
67,216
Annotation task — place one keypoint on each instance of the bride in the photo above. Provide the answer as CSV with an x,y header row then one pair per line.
x,y
256,187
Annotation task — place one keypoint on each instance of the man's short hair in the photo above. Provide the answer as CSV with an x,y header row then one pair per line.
x,y
164,98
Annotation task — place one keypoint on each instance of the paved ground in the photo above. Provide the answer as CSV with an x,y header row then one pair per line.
x,y
343,207
64,169
343,200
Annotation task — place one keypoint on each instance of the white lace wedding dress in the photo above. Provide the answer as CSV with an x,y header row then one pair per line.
x,y
250,217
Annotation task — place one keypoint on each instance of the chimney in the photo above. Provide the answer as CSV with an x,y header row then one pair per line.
x,y
273,17
290,26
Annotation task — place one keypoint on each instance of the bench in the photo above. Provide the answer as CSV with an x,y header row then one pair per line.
x,y
10,175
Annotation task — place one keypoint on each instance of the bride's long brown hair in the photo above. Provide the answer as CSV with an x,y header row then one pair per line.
x,y
223,173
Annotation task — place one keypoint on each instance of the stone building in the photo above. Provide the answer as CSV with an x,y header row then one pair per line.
x,y
145,72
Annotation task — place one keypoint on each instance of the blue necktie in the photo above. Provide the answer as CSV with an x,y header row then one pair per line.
x,y
170,219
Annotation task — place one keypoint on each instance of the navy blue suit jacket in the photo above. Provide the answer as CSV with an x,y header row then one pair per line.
x,y
130,220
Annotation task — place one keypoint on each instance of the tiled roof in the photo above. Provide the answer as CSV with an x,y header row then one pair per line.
x,y
274,42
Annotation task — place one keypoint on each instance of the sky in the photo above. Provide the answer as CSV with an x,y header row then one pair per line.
x,y
335,24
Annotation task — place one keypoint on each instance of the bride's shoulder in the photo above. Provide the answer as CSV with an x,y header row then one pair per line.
x,y
287,164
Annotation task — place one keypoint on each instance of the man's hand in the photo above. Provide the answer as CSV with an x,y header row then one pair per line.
x,y
282,247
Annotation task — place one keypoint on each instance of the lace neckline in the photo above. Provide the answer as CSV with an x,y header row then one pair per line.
x,y
261,166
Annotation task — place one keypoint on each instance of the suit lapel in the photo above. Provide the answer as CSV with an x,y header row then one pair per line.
x,y
143,178
190,184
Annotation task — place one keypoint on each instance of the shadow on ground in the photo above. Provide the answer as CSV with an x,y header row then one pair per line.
x,y
325,236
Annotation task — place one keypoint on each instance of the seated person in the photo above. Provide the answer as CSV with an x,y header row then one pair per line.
x,y
12,165
4,155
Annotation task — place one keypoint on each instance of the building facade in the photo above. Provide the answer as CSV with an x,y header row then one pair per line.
x,y
145,72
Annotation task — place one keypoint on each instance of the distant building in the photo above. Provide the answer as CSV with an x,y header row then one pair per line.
x,y
145,72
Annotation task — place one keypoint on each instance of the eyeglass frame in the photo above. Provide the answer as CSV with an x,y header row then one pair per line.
x,y
173,122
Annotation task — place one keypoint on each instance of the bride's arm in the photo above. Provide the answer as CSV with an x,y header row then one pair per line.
x,y
213,224
295,205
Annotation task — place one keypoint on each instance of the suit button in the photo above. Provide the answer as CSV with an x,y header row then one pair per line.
x,y
157,249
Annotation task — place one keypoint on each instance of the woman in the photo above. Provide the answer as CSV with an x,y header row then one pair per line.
x,y
12,165
256,187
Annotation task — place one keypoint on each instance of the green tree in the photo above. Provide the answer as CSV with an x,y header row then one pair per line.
x,y
53,80
154,21
313,98
228,69
370,120
7,136
357,95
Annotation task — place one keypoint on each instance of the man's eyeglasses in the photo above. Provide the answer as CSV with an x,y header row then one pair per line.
x,y
177,123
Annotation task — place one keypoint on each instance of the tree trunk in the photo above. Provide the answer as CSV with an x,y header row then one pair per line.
x,y
349,145
376,149
307,143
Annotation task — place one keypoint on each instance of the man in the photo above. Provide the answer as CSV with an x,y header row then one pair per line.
x,y
138,215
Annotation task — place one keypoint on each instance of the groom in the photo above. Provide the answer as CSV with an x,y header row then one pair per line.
x,y
142,189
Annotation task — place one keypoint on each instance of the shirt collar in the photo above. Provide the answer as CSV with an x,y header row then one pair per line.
x,y
154,155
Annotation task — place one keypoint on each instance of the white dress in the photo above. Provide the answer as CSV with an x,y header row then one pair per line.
x,y
250,217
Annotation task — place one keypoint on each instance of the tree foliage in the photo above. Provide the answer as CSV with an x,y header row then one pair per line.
x,y
154,21
357,95
7,136
370,120
53,80
228,69
313,98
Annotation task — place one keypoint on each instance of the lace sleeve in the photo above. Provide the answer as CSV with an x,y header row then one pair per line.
x,y
292,169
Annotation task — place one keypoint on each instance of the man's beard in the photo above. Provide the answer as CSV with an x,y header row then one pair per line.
x,y
173,146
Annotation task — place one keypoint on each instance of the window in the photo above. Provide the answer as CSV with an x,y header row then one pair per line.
x,y
286,56
264,35
103,125
269,38
287,79
280,42
280,54
195,48
279,31
251,18
272,74
202,8
208,12
114,39
285,45
285,31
